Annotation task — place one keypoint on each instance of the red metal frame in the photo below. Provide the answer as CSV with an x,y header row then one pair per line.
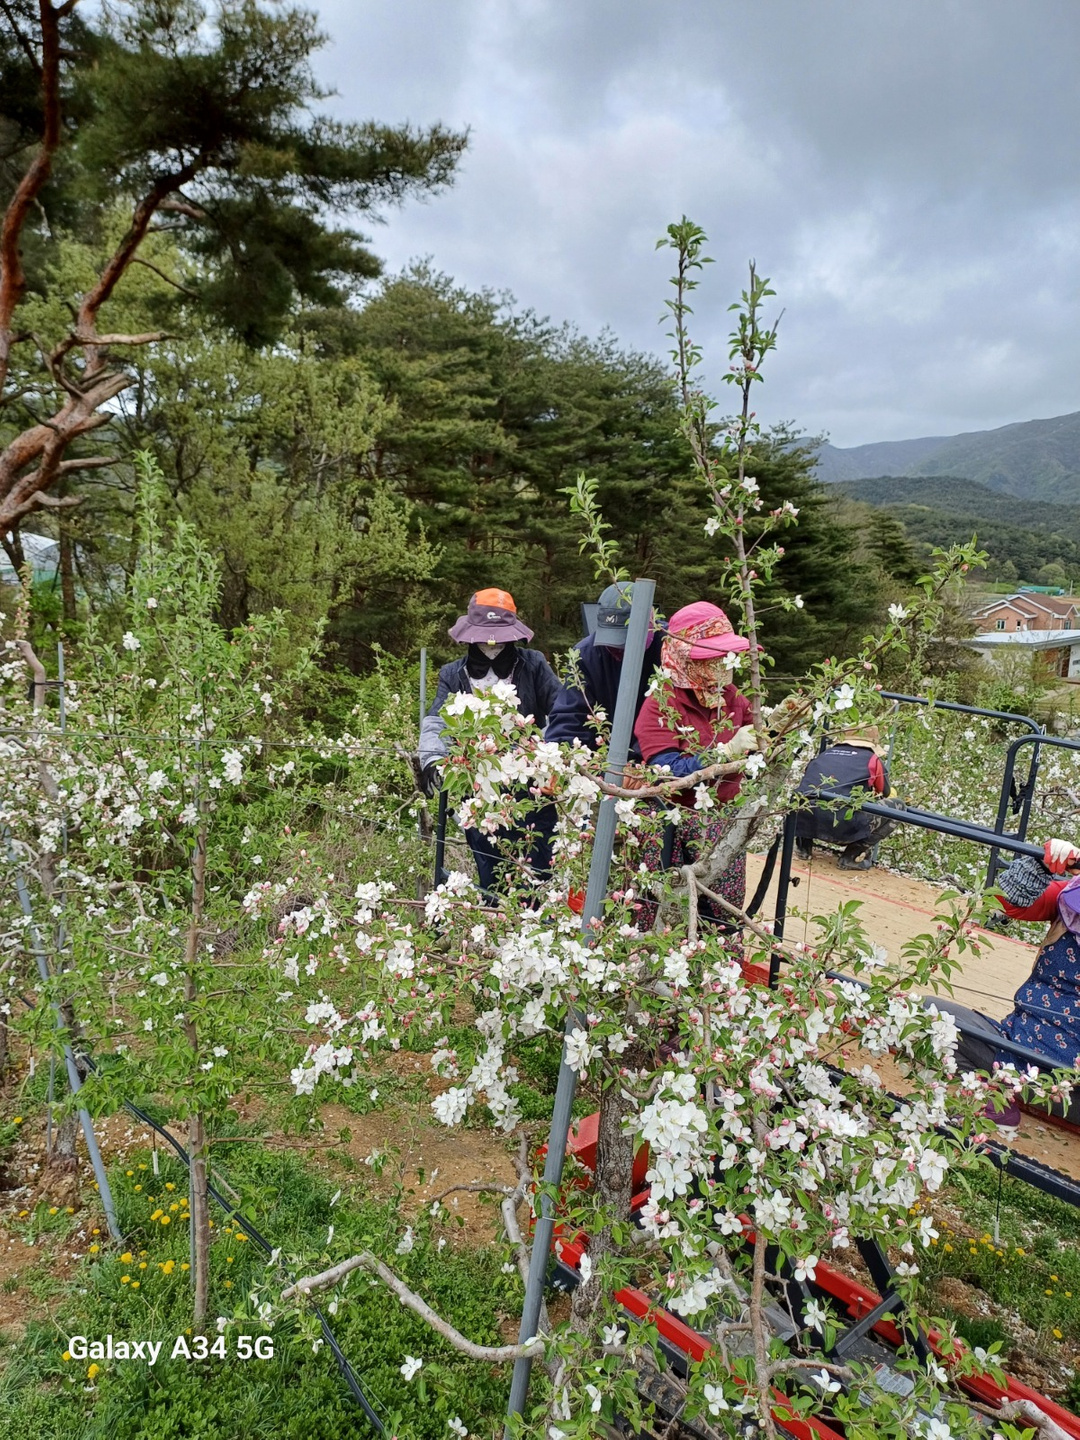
x,y
856,1299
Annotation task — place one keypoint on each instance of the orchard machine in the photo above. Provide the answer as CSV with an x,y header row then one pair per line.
x,y
876,1322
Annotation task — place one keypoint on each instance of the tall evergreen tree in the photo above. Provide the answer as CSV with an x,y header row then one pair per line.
x,y
199,122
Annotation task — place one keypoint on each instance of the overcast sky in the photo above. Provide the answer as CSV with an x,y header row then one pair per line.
x,y
905,171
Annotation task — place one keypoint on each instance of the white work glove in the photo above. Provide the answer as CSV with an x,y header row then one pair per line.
x,y
1060,856
743,742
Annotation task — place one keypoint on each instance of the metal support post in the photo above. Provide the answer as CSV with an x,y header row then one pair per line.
x,y
595,894
787,851
74,1078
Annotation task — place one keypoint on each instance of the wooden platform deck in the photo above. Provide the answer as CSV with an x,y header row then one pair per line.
x,y
894,909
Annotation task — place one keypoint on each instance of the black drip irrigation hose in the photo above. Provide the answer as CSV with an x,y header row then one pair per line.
x,y
347,1372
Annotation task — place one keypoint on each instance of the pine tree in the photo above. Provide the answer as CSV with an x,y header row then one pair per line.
x,y
196,122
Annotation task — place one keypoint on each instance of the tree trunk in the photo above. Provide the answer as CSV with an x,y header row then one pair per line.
x,y
63,1155
13,549
614,1167
200,1217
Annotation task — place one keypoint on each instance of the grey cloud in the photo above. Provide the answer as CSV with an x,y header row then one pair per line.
x,y
905,173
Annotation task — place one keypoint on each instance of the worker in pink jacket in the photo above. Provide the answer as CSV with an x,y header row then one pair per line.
x,y
704,719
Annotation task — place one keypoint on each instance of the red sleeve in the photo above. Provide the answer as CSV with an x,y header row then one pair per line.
x,y
876,774
1045,908
653,736
737,710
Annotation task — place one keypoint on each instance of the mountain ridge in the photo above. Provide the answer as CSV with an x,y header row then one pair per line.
x,y
1028,459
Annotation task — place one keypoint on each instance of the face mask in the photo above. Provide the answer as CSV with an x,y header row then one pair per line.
x,y
500,659
709,679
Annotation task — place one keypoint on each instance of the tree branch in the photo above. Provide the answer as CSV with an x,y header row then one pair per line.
x,y
12,275
491,1354
148,338
138,260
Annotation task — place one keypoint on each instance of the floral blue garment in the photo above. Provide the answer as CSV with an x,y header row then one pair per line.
x,y
1046,1008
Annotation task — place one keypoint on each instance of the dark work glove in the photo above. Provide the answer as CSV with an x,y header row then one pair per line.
x,y
430,779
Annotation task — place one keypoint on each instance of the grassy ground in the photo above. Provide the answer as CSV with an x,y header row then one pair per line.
x,y
1006,1267
365,1163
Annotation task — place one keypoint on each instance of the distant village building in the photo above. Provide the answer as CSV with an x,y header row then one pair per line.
x,y
1030,623
1029,610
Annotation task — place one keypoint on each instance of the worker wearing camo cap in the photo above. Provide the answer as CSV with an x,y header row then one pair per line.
x,y
595,666
492,630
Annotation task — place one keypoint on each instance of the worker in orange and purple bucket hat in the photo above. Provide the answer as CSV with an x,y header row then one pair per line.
x,y
493,631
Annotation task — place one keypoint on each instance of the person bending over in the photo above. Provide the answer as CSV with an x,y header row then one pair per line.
x,y
853,766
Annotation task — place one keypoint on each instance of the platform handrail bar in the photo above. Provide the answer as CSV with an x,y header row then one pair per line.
x,y
943,824
1022,800
1059,742
963,709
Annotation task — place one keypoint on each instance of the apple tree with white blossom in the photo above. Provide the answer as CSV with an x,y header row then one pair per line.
x,y
772,1141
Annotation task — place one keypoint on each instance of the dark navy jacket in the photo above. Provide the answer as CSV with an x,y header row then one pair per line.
x,y
599,672
532,677
847,769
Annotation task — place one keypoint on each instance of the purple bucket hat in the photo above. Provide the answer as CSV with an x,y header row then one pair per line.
x,y
491,619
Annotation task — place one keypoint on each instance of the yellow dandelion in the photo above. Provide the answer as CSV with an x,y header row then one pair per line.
x,y
138,1187
94,1249
169,1185
186,1266
126,1258
228,1284
70,1210
948,1248
157,1214
1020,1250
241,1237
174,1206
141,1253
229,1259
125,1279
66,1355
166,1220
142,1167
135,1285
18,1119
1068,1294
53,1209
95,1231
24,1213
142,1264
1048,1292
93,1372
129,1172
1056,1334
